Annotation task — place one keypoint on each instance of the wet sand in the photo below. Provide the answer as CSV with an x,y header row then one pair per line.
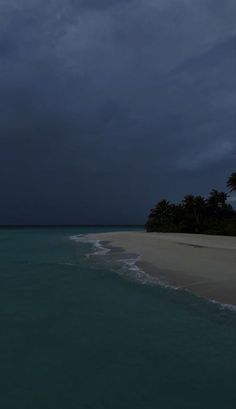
x,y
204,265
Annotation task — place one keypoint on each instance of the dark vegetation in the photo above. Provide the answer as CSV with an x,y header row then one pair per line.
x,y
196,214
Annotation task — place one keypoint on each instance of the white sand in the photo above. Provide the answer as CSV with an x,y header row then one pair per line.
x,y
205,265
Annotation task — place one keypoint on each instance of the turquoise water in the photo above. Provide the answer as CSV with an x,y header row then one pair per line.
x,y
74,334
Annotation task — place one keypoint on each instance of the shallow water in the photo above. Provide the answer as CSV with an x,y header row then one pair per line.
x,y
74,334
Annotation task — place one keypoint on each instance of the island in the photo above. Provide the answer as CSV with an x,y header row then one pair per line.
x,y
178,254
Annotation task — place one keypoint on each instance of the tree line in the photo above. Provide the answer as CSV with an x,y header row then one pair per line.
x,y
196,214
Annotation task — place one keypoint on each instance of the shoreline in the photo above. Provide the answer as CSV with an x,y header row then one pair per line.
x,y
201,264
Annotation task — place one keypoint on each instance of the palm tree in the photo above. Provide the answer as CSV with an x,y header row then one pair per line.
x,y
161,207
161,217
158,215
196,206
231,183
217,199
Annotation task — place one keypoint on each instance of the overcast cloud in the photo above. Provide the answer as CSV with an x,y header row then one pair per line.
x,y
108,106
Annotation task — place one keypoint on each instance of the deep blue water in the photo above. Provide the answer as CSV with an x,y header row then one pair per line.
x,y
74,334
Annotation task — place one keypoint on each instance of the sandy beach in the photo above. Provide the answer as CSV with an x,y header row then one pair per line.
x,y
204,265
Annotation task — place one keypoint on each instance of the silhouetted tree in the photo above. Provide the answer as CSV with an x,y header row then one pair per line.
x,y
217,199
161,217
195,214
231,183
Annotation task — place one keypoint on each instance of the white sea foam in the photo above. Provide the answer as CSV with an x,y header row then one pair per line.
x,y
129,265
131,269
145,278
223,306
100,250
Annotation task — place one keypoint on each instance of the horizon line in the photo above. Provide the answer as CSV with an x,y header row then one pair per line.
x,y
67,225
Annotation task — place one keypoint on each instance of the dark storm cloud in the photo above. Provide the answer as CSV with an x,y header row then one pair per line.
x,y
104,103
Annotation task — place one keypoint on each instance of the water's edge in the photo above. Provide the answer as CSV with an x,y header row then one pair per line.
x,y
134,268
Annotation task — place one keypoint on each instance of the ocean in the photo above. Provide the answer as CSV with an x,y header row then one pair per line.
x,y
83,333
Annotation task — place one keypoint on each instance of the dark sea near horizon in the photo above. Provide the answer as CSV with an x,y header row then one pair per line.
x,y
76,334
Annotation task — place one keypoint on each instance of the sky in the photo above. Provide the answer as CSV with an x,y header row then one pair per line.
x,y
108,106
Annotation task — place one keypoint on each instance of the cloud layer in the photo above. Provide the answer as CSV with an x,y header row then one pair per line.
x,y
104,104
